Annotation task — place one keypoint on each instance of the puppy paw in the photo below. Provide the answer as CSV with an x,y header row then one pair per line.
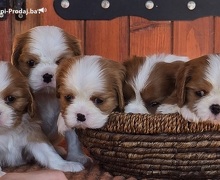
x,y
72,167
2,173
85,160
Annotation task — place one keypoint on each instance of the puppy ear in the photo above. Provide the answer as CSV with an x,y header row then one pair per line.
x,y
58,82
18,45
183,77
31,105
73,43
119,87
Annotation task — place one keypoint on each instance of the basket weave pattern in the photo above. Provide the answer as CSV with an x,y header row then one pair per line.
x,y
155,146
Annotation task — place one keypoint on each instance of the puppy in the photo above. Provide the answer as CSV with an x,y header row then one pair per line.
x,y
149,82
37,54
89,89
21,137
198,89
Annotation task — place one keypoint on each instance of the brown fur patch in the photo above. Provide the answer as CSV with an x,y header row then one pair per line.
x,y
132,67
191,79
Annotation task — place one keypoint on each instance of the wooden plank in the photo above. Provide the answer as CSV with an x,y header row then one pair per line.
x,y
31,21
193,38
50,17
149,37
217,35
108,38
6,40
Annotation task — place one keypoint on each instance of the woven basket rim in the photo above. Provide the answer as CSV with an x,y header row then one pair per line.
x,y
129,123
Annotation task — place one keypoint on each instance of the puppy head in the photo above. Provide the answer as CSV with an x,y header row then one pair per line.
x,y
198,89
89,88
150,81
37,54
15,96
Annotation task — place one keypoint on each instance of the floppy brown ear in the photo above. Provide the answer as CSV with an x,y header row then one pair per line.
x,y
119,87
57,85
183,77
17,47
31,105
74,44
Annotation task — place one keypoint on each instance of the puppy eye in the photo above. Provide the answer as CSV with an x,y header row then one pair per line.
x,y
153,104
9,99
97,101
31,63
58,61
69,98
200,93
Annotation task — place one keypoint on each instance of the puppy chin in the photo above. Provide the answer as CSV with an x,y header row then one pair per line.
x,y
84,115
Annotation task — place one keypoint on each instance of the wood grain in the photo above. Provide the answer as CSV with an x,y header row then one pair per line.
x,y
217,35
108,38
5,39
73,27
31,21
149,37
193,38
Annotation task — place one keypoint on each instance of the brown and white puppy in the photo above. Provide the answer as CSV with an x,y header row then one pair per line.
x,y
89,88
37,54
149,82
198,89
21,137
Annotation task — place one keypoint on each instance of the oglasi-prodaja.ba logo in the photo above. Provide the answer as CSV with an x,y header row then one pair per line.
x,y
23,11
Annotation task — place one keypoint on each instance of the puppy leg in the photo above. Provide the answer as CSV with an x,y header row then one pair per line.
x,y
47,156
1,172
75,152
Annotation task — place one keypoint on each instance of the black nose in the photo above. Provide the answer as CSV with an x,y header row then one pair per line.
x,y
81,117
215,109
47,77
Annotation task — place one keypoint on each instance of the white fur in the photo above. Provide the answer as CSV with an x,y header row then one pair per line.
x,y
61,125
2,173
85,78
168,109
140,81
14,140
6,114
5,76
188,114
202,106
48,43
136,105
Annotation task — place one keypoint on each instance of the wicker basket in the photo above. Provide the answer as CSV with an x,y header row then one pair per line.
x,y
155,146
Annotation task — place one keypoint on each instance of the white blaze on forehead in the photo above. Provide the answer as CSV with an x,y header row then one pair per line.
x,y
48,42
86,75
212,73
140,80
5,79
